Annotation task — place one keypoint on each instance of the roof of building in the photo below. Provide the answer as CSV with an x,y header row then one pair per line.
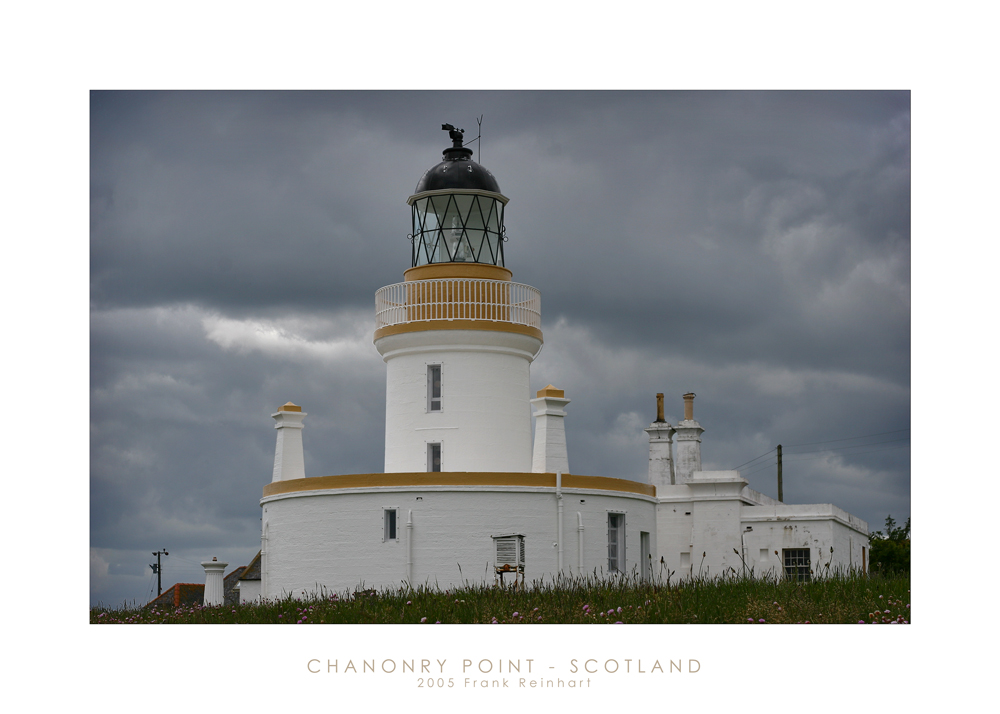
x,y
180,594
252,571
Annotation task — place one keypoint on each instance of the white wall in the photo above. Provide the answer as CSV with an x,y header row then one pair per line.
x,y
485,393
249,591
334,539
818,527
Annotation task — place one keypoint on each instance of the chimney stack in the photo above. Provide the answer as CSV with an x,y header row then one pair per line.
x,y
288,460
689,434
550,453
661,445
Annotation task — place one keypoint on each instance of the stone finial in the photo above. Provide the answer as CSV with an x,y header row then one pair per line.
x,y
551,391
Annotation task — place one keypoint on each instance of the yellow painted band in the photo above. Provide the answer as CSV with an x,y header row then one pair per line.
x,y
457,325
457,478
475,271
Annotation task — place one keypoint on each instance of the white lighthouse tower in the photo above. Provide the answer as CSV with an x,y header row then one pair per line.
x,y
458,336
463,486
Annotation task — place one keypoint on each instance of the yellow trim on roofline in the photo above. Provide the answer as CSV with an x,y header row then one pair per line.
x,y
457,478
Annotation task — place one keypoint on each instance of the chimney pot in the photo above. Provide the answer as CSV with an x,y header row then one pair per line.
x,y
689,406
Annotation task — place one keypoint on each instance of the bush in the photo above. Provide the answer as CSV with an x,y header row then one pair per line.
x,y
890,551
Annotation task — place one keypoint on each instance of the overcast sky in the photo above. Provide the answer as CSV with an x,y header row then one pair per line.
x,y
752,247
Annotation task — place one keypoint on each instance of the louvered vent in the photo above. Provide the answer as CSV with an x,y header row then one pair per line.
x,y
509,553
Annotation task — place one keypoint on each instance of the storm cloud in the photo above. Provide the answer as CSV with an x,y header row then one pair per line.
x,y
752,247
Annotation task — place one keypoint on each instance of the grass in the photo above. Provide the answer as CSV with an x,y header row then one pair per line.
x,y
837,598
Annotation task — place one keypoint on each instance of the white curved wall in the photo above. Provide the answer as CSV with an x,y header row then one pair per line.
x,y
334,539
485,421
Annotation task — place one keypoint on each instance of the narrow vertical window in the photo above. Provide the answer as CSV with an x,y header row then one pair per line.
x,y
616,542
389,524
434,388
646,561
434,457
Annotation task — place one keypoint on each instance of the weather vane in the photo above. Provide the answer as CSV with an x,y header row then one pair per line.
x,y
455,134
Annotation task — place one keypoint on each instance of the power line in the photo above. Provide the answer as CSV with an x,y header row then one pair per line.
x,y
760,467
752,460
831,441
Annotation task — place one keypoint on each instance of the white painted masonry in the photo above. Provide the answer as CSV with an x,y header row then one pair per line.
x,y
550,453
249,591
289,462
334,541
484,423
214,583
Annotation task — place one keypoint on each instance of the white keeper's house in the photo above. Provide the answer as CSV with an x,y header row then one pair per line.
x,y
468,492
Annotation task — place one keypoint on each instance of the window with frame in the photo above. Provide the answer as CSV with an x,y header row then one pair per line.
x,y
433,387
616,542
797,564
434,457
389,531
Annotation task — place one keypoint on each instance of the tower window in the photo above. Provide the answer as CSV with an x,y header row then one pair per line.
x,y
434,457
616,542
389,524
433,387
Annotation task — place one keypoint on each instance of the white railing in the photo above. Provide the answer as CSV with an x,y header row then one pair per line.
x,y
458,299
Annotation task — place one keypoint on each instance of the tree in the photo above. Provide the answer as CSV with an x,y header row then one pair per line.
x,y
890,551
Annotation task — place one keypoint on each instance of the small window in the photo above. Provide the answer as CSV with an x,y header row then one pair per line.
x,y
434,388
389,524
616,542
797,564
646,558
434,457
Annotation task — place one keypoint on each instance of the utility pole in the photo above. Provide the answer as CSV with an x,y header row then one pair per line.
x,y
158,569
780,493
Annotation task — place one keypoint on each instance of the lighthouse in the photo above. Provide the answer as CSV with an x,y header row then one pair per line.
x,y
458,336
465,495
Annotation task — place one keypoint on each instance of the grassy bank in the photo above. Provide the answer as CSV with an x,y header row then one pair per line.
x,y
846,598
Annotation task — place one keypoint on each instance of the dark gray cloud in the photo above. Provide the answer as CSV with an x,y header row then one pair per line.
x,y
753,247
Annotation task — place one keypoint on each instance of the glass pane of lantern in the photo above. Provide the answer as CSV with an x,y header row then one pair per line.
x,y
436,249
475,217
492,218
428,221
451,225
464,203
474,227
489,253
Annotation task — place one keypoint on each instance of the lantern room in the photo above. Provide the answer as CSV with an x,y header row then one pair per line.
x,y
457,210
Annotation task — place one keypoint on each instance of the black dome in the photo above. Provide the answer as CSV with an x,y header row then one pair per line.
x,y
459,171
